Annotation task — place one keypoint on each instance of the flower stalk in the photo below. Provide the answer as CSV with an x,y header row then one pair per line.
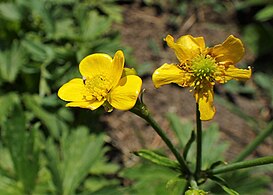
x,y
141,110
242,165
198,143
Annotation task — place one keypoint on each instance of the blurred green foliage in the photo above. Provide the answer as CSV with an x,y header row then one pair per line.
x,y
46,148
158,178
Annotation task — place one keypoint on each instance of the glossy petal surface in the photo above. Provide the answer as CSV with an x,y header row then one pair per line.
x,y
117,67
186,46
72,91
96,64
125,94
204,99
230,51
170,73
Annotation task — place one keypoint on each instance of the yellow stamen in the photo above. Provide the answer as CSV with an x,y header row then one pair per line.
x,y
97,87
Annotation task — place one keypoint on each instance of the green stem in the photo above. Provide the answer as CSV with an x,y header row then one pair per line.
x,y
242,165
141,110
255,143
199,143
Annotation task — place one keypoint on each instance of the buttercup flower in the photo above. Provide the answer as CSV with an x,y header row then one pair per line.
x,y
201,67
104,83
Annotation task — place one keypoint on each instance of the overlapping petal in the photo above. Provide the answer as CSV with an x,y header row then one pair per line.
x,y
204,98
96,64
186,46
125,94
72,91
230,51
170,73
117,67
92,105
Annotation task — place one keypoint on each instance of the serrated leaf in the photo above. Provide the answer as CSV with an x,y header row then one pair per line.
x,y
148,178
22,147
11,62
39,51
78,151
94,25
158,159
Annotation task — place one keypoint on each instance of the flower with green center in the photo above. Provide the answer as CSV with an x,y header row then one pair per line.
x,y
201,67
105,82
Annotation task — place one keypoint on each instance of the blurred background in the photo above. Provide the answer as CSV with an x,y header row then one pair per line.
x,y
46,148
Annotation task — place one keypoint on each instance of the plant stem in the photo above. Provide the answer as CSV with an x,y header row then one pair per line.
x,y
242,165
141,110
198,143
255,143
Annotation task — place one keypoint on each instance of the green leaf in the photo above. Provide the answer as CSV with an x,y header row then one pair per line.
x,y
71,161
103,166
223,185
176,184
96,183
182,130
265,14
158,159
11,62
10,11
54,123
22,147
229,191
37,50
93,26
7,102
188,145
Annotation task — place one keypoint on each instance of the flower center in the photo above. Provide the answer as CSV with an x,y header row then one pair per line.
x,y
97,87
203,66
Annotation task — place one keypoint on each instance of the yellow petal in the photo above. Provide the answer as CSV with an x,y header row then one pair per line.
x,y
204,98
230,51
117,67
72,91
125,94
96,64
186,46
92,105
234,73
170,73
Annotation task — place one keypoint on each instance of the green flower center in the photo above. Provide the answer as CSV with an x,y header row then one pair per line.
x,y
97,87
203,67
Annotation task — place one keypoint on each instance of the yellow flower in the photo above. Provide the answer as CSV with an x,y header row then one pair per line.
x,y
200,67
103,83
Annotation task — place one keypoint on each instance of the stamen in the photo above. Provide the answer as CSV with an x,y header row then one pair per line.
x,y
97,87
